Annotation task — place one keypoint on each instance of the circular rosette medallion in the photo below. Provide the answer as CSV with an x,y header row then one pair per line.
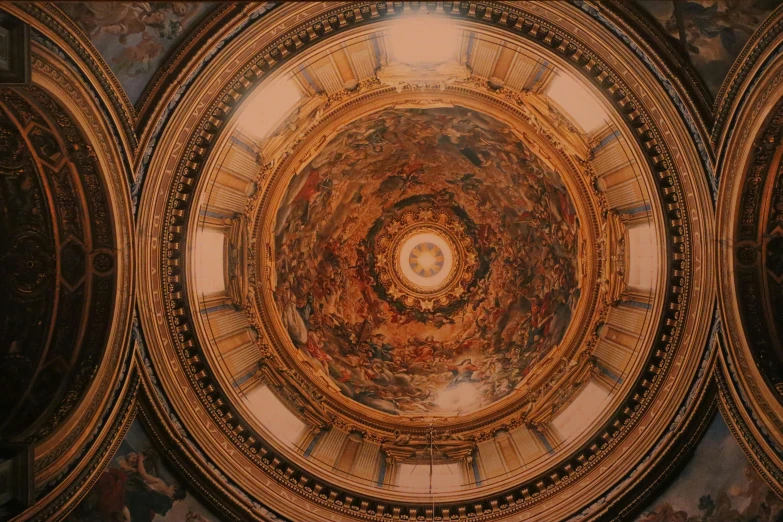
x,y
429,259
425,259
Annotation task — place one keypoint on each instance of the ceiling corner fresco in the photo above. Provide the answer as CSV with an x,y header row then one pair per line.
x,y
408,261
138,485
136,38
718,484
711,33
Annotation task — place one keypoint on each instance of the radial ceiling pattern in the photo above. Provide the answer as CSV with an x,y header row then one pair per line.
x,y
473,252
412,250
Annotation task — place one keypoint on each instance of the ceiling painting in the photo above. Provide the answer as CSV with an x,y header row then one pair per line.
x,y
718,485
711,32
139,486
426,260
135,38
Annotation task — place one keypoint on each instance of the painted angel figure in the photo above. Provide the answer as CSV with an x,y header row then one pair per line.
x,y
462,372
137,59
700,21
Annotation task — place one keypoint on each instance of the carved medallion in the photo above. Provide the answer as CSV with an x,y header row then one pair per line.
x,y
425,259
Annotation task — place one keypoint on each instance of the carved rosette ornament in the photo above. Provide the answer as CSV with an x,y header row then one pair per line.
x,y
425,259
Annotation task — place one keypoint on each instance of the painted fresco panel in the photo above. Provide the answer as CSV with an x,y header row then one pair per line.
x,y
387,171
718,485
138,486
135,38
712,33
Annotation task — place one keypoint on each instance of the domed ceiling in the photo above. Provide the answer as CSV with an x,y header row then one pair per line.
x,y
426,260
48,350
425,285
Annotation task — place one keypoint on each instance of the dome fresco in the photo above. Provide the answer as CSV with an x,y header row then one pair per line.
x,y
402,196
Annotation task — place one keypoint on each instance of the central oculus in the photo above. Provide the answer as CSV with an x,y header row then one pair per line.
x,y
426,260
